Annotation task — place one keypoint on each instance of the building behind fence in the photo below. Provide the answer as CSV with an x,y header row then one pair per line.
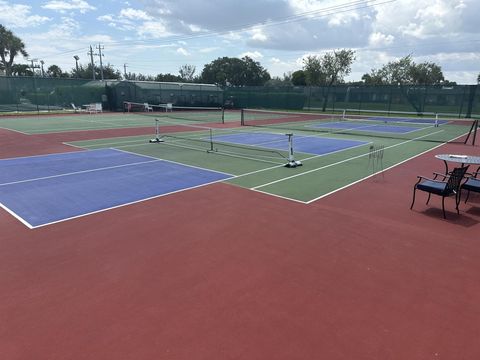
x,y
36,94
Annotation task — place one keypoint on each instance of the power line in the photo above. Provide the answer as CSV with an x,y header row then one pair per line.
x,y
100,55
308,15
91,53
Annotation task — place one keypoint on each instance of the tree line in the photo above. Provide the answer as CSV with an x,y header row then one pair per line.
x,y
327,70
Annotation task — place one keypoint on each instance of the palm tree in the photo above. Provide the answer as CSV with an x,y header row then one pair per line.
x,y
10,47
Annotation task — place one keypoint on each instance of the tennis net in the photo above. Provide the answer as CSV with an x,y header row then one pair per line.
x,y
266,147
403,126
189,113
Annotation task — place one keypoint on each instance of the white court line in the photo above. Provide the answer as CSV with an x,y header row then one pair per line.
x,y
76,129
225,153
51,154
13,130
338,162
78,172
109,144
19,218
175,162
118,206
378,172
280,196
153,159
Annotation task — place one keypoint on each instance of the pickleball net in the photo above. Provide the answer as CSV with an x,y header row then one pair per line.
x,y
403,126
189,113
269,147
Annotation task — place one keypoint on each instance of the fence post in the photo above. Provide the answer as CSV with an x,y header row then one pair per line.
x,y
471,99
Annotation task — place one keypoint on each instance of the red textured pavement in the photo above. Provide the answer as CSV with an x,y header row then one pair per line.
x,y
221,272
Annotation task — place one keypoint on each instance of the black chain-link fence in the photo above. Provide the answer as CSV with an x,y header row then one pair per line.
x,y
26,94
460,100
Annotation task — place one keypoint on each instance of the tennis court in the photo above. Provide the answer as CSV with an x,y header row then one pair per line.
x,y
369,127
88,182
150,235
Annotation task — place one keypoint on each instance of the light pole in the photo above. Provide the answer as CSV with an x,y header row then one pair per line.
x,y
76,57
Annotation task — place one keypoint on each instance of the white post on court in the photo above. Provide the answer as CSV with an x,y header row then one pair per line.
x,y
157,138
291,159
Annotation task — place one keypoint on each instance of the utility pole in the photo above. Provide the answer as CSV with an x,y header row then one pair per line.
x,y
100,48
43,72
125,71
76,57
91,61
33,66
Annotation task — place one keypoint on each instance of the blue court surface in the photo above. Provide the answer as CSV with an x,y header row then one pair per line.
x,y
344,125
41,190
408,120
306,144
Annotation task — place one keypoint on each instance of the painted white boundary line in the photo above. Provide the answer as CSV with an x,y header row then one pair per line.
x,y
153,159
337,163
13,130
126,204
79,172
51,154
378,172
22,220
175,162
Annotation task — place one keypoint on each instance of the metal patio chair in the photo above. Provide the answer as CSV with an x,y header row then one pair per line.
x,y
472,183
449,186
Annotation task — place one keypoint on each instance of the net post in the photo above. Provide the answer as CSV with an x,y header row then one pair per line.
x,y
127,107
436,119
344,114
292,163
223,115
475,129
212,149
157,137
242,117
473,132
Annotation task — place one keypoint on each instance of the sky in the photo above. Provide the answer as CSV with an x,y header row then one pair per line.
x,y
159,36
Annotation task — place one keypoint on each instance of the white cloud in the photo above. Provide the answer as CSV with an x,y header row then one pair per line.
x,y
154,29
378,39
63,6
63,31
342,19
134,14
232,36
422,18
259,35
208,50
194,28
106,18
183,52
256,55
19,16
443,31
97,38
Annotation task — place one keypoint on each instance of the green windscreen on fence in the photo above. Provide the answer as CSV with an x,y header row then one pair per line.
x,y
458,101
37,94
154,93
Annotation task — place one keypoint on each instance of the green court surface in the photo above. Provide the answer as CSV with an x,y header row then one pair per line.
x,y
260,167
42,124
319,175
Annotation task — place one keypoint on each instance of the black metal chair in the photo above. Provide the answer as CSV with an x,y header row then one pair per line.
x,y
449,186
472,183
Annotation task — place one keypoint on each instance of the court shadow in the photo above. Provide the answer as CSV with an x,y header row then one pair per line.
x,y
464,219
474,210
